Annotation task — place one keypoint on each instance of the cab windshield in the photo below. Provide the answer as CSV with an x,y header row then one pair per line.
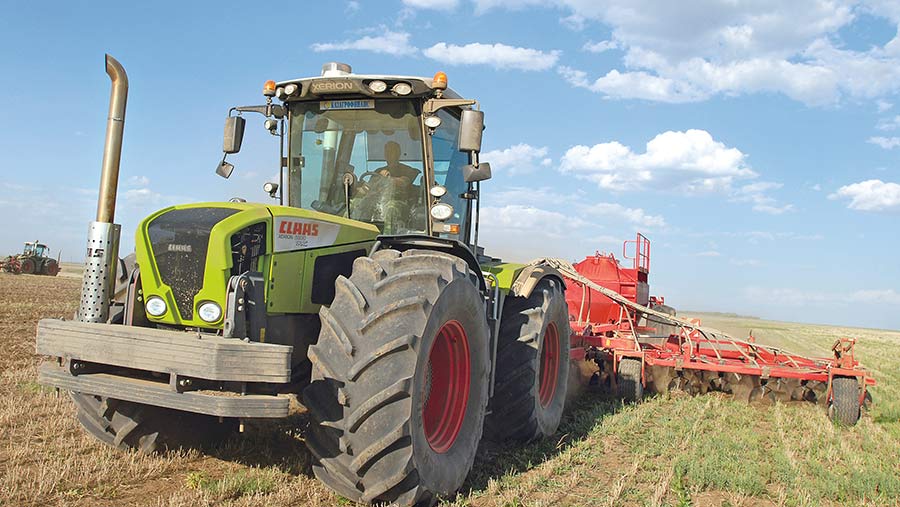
x,y
364,153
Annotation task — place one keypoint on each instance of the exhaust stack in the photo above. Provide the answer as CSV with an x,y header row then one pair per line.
x,y
103,235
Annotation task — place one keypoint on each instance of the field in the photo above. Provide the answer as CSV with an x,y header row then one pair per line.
x,y
669,450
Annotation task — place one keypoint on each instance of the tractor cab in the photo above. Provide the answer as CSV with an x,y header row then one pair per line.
x,y
35,249
394,151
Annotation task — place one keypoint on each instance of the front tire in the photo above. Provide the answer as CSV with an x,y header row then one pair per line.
x,y
400,379
532,365
844,407
628,378
128,425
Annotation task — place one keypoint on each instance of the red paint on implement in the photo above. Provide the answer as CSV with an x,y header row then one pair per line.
x,y
606,330
549,365
448,394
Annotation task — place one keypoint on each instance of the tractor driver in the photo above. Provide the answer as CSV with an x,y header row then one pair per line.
x,y
401,175
392,194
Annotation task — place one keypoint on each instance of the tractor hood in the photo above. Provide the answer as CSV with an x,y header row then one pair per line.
x,y
187,253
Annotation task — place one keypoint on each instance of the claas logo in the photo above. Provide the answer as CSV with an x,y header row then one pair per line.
x,y
299,228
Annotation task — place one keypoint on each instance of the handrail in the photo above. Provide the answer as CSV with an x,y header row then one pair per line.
x,y
641,252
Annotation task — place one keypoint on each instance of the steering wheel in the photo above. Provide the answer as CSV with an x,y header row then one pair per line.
x,y
369,175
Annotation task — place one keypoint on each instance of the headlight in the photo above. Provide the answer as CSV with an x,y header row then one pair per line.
x,y
209,311
155,306
377,86
441,211
402,89
438,191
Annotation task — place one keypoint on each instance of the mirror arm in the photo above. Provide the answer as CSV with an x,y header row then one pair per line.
x,y
268,110
431,106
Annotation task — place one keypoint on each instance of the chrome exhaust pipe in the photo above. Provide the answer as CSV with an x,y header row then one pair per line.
x,y
99,281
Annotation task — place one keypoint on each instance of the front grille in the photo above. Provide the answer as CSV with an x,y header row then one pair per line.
x,y
247,245
180,239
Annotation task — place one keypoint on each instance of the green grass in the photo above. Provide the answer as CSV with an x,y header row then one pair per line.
x,y
710,450
243,483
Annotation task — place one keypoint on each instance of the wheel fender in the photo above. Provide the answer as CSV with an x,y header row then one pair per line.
x,y
528,278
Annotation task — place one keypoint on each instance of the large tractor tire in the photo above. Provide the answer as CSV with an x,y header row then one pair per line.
x,y
27,266
128,425
628,379
399,379
844,407
51,268
532,365
663,327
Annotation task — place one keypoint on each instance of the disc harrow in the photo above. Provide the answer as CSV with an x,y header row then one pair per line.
x,y
10,265
691,357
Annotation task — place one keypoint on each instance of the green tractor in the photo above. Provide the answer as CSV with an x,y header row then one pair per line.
x,y
363,289
34,260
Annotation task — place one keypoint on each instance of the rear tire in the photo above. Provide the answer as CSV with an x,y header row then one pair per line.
x,y
51,268
400,379
532,365
844,407
128,425
628,378
26,266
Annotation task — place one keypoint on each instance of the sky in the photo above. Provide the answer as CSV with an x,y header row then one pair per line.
x,y
754,142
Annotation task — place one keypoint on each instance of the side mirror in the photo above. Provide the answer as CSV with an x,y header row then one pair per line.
x,y
472,173
471,126
225,169
234,134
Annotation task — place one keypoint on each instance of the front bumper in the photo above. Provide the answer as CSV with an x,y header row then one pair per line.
x,y
99,359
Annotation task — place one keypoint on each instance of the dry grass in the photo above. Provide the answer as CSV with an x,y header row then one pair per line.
x,y
671,450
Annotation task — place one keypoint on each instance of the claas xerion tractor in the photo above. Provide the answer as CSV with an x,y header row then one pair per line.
x,y
363,288
34,260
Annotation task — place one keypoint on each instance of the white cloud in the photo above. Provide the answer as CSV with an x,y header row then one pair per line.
x,y
517,159
527,217
351,7
888,123
708,253
883,105
502,196
691,162
499,56
138,181
745,263
382,40
443,5
692,158
634,216
600,47
581,202
522,232
142,196
870,195
754,236
887,143
633,85
802,297
756,193
677,52
888,296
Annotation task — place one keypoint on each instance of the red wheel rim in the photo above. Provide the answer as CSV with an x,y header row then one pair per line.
x,y
549,365
446,387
